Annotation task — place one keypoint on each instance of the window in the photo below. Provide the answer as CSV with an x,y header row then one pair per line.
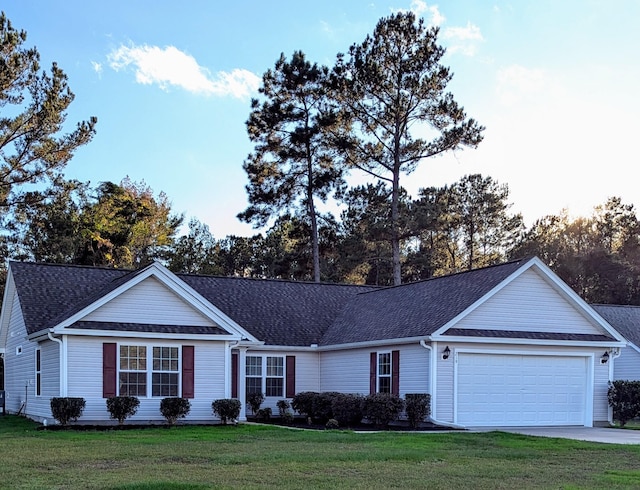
x,y
275,376
162,374
165,372
384,372
38,373
133,370
265,375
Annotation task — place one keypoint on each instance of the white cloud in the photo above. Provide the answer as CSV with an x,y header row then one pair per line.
x,y
169,66
97,67
516,83
463,39
420,7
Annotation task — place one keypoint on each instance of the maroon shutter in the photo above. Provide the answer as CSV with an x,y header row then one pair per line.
x,y
373,372
109,356
187,371
291,376
234,375
395,372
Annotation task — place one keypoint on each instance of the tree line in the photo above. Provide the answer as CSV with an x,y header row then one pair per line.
x,y
311,127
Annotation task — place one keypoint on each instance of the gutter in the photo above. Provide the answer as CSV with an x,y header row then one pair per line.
x,y
432,384
63,358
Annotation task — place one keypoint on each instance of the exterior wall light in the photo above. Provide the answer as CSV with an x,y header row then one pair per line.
x,y
605,357
446,353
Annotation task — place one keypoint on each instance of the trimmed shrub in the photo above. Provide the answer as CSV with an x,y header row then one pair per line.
x,y
321,406
226,409
624,398
303,403
347,409
283,407
417,408
67,409
287,418
264,414
382,408
122,407
332,424
174,408
254,400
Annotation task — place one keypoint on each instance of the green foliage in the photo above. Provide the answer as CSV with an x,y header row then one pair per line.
x,y
227,409
34,109
382,408
67,409
387,84
303,403
347,409
174,408
283,407
264,414
254,400
624,398
417,408
122,407
293,162
322,406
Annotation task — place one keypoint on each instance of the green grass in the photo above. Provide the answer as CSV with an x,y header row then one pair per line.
x,y
249,456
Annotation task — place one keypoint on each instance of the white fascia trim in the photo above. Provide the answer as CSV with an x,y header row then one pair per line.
x,y
504,340
169,279
374,343
281,348
139,335
5,314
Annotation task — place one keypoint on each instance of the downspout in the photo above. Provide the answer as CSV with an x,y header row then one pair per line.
x,y
432,387
63,371
615,353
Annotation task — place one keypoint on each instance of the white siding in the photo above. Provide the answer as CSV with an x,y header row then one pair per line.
x,y
85,378
40,406
627,366
528,303
19,368
149,302
347,371
307,375
445,382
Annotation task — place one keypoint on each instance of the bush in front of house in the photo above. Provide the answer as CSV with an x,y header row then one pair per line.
x,y
174,408
332,424
264,414
382,408
303,403
227,409
321,406
254,400
417,408
122,407
283,407
347,409
624,398
67,409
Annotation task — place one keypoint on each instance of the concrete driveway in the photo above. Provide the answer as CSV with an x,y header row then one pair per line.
x,y
593,434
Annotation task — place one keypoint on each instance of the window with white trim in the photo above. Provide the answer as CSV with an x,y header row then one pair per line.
x,y
133,370
165,375
265,374
384,372
38,372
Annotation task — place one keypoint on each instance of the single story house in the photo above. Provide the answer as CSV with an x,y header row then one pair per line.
x,y
507,345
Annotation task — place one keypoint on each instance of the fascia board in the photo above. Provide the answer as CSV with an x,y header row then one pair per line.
x,y
520,341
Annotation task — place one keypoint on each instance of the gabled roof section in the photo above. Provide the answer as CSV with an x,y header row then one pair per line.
x,y
277,312
51,291
417,309
625,319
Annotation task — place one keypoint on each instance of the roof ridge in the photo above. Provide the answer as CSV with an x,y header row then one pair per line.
x,y
74,266
290,281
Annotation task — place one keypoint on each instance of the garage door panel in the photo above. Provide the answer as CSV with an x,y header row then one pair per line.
x,y
506,389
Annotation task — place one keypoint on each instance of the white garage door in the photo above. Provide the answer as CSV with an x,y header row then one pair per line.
x,y
520,390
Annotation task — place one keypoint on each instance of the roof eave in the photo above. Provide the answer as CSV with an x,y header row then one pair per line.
x,y
523,341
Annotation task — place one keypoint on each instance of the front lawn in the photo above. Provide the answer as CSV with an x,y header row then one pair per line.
x,y
249,456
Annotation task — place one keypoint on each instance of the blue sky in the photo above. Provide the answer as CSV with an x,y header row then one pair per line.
x,y
554,82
